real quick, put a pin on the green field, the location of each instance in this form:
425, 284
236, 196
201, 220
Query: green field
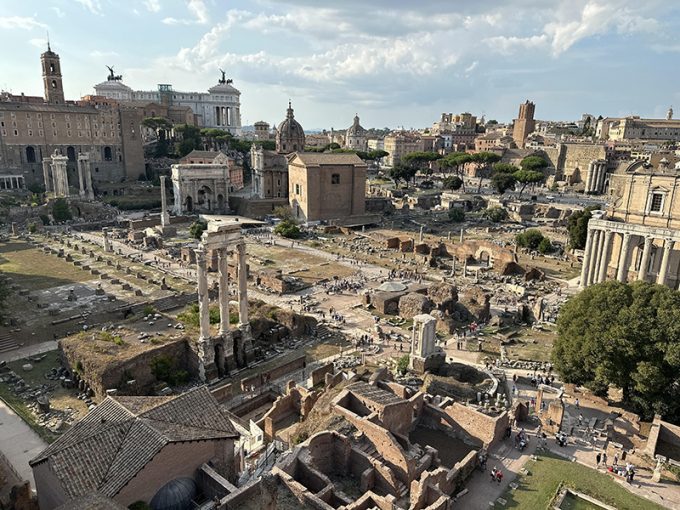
549, 472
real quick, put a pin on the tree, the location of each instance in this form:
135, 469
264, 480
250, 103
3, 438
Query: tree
624, 335
402, 172
502, 182
526, 177
452, 182
484, 160
196, 229
456, 215
534, 163
191, 138
288, 228
421, 160
495, 214
577, 226
61, 210
531, 239
161, 127
284, 212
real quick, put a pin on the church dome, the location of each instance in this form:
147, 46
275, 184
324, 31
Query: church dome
356, 129
177, 494
224, 88
290, 137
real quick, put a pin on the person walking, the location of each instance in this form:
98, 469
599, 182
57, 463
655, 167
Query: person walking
577, 404
598, 458
616, 459
499, 476
604, 459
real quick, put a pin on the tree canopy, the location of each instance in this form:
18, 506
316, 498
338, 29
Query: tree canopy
577, 226
495, 214
452, 182
526, 177
628, 336
535, 163
402, 172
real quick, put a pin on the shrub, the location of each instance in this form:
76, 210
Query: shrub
456, 215
496, 214
402, 364
529, 239
287, 229
196, 229
149, 310
164, 369
61, 210
45, 219
32, 228
545, 246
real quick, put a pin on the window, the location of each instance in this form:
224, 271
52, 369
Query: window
51, 68
656, 203
335, 179
40, 132
16, 133
298, 189
54, 84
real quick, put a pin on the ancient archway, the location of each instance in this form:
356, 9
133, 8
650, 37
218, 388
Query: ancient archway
203, 197
189, 204
220, 202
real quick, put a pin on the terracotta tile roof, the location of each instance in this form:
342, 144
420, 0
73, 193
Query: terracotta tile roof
328, 158
107, 448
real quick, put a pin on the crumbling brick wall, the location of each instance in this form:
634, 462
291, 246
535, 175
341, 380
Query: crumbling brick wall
487, 428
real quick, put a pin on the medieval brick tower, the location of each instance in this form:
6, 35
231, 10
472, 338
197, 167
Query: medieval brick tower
524, 123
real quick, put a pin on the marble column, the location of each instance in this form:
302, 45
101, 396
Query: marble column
594, 255
81, 182
242, 286
663, 271
165, 217
583, 282
622, 269
644, 263
606, 250
223, 270
203, 297
60, 175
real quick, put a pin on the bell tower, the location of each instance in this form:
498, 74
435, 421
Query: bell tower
51, 72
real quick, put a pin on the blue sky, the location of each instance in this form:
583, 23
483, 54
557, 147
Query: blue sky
394, 62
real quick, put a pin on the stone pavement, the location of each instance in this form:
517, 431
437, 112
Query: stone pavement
29, 350
482, 491
18, 442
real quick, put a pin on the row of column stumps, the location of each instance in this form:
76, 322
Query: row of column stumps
598, 251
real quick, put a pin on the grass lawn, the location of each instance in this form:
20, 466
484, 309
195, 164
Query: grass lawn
537, 489
36, 270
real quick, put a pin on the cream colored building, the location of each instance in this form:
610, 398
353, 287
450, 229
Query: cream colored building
636, 128
638, 237
399, 144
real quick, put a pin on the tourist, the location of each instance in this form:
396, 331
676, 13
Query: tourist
493, 473
577, 404
598, 458
604, 459
499, 476
616, 459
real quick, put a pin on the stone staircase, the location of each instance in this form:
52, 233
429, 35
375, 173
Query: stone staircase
369, 449
323, 332
7, 342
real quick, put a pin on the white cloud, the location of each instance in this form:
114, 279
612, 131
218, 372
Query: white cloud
98, 54
38, 43
58, 12
152, 5
20, 22
198, 9
471, 67
94, 6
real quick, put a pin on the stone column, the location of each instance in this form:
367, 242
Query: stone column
107, 243
594, 256
165, 217
203, 297
242, 286
644, 263
583, 282
606, 249
60, 176
81, 184
663, 271
46, 174
590, 177
88, 176
223, 269
622, 270
462, 234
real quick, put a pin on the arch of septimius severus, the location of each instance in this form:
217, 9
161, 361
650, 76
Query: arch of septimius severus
639, 236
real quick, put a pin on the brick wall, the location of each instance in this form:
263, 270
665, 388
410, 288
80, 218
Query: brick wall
486, 428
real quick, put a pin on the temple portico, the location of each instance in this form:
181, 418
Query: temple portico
229, 349
627, 251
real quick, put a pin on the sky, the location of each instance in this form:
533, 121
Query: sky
393, 62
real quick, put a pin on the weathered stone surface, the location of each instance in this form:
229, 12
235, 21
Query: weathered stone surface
414, 304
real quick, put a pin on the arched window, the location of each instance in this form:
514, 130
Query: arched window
54, 84
30, 154
71, 153
51, 68
107, 154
